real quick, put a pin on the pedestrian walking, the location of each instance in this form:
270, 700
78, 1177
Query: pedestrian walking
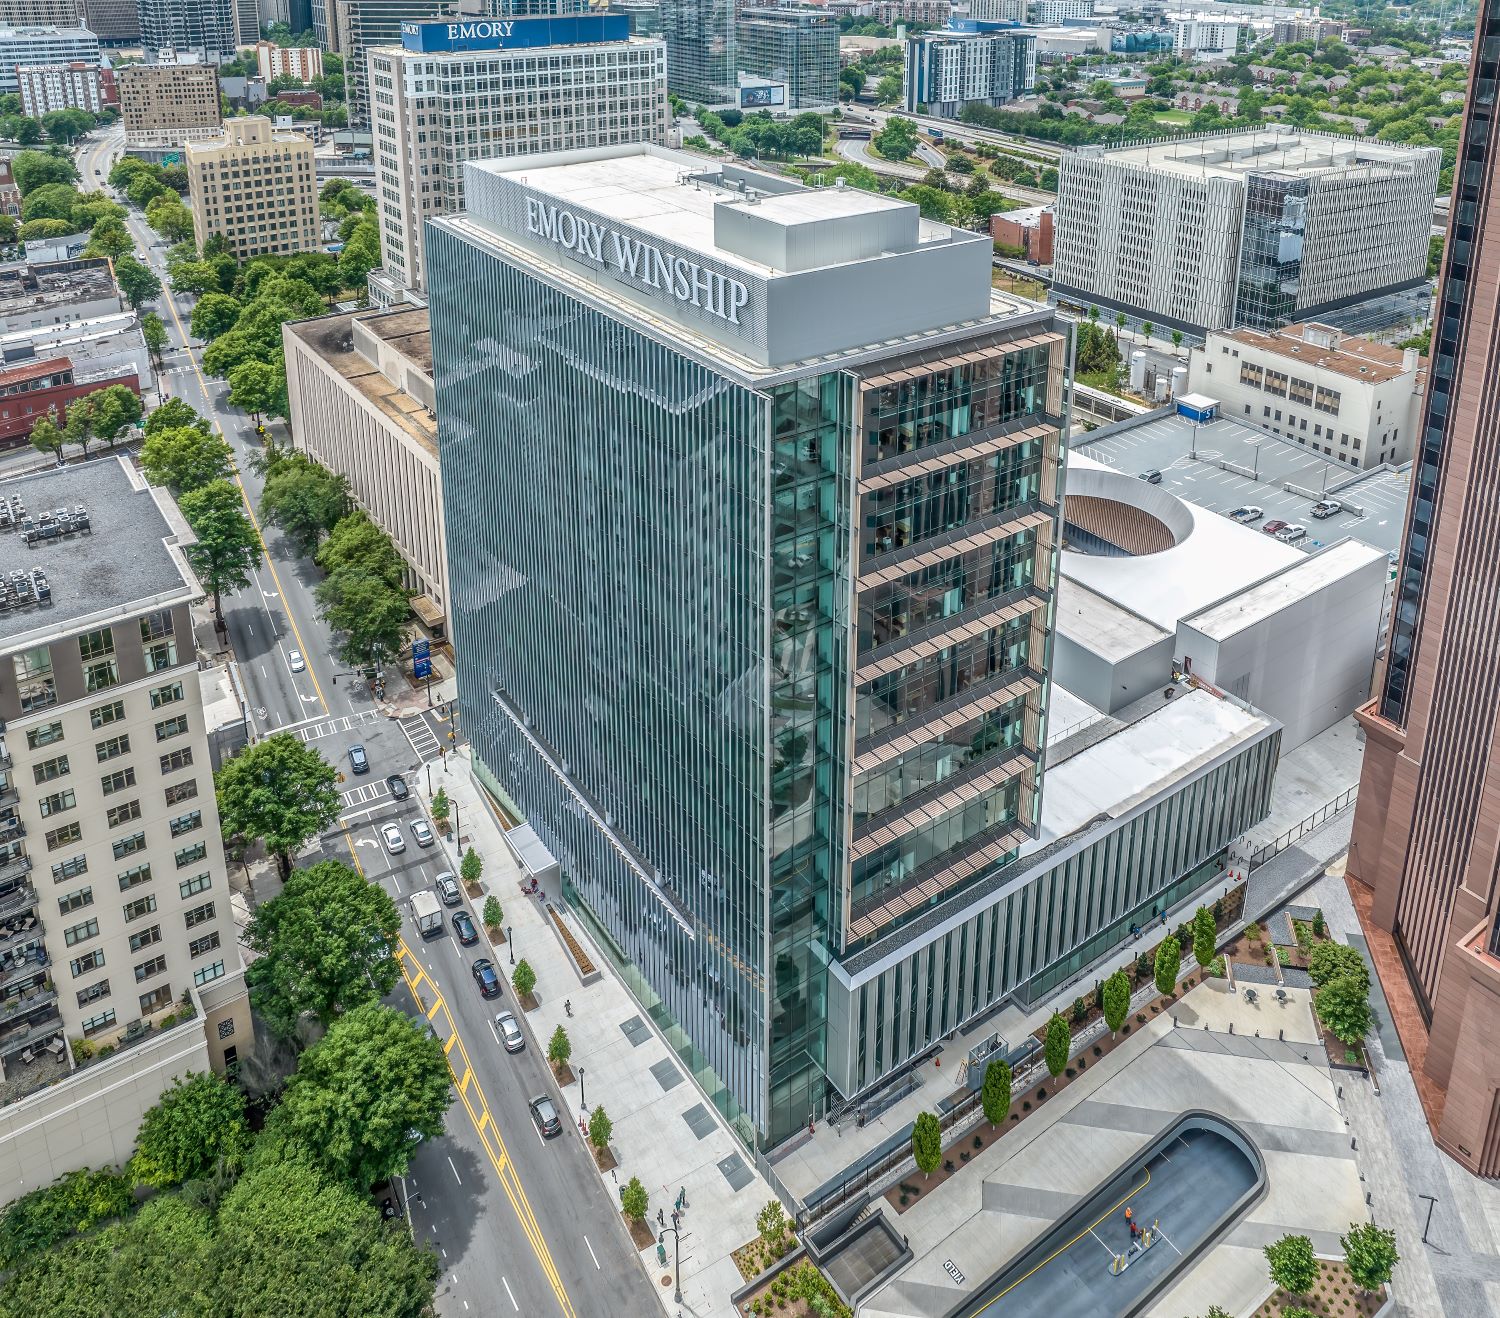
674, 1220
661, 1218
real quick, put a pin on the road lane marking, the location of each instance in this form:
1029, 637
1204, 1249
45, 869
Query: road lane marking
595, 1257
513, 1303
457, 1178
484, 1126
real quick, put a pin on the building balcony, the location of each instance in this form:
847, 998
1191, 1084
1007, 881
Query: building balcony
1482, 945
15, 903
9, 793
22, 1011
14, 868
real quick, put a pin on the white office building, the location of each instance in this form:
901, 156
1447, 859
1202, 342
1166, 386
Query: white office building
1202, 37
1050, 13
969, 62
439, 100
1348, 398
42, 45
1258, 228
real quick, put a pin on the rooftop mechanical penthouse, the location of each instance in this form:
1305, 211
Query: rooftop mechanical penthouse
752, 500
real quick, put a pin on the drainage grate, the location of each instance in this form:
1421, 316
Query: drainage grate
735, 1171
666, 1073
636, 1030
698, 1120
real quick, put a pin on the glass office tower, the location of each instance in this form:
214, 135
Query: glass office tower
751, 497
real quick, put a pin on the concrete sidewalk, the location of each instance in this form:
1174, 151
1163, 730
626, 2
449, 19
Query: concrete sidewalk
665, 1130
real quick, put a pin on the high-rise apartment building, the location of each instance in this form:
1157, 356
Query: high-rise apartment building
43, 45
170, 103
1256, 228
114, 897
797, 45
304, 63
256, 187
969, 62
1426, 840
207, 27
366, 24
752, 498
527, 86
702, 62
74, 86
114, 22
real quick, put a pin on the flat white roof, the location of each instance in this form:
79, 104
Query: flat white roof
1101, 625
646, 190
1281, 151
1067, 714
1140, 761
1312, 574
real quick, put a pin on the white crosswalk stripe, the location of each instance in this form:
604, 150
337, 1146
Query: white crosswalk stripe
328, 727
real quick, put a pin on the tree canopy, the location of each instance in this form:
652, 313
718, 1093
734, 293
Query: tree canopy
304, 500
185, 458
325, 945
228, 549
279, 791
196, 1122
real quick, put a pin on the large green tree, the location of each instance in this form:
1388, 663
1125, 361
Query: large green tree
368, 614
154, 331
186, 458
324, 945
136, 281
214, 314
253, 387
172, 413
356, 542
1343, 1005
1293, 1265
279, 791
34, 169
366, 1094
51, 201
1329, 960
115, 407
227, 549
197, 1122
1370, 1254
303, 499
927, 1143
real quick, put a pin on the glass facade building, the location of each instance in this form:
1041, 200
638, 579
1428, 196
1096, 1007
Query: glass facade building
755, 607
701, 58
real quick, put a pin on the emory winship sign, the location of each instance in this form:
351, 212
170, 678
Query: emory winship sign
638, 261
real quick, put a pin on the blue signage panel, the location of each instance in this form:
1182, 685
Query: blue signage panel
514, 33
421, 648
422, 668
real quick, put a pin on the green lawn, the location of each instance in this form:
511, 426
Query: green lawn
1174, 117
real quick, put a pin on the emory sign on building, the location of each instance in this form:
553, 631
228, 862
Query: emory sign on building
515, 33
679, 278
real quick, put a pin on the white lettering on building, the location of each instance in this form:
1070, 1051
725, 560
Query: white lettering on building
480, 31
681, 279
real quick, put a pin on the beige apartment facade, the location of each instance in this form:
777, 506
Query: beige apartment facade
257, 187
304, 63
169, 104
361, 395
115, 915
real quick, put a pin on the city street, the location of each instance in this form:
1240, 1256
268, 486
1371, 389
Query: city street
521, 1225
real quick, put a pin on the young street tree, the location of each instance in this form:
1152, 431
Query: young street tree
1370, 1254
1057, 1044
771, 1223
1168, 963
600, 1129
325, 945
198, 1121
186, 458
1205, 936
366, 1094
1116, 1000
492, 913
994, 1093
48, 437
1293, 1265
228, 548
278, 791
470, 868
927, 1143
559, 1047
634, 1202
523, 978
1343, 1005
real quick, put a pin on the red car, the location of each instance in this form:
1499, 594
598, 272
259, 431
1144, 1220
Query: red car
1273, 526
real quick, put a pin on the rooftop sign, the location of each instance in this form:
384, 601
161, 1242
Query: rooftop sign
514, 33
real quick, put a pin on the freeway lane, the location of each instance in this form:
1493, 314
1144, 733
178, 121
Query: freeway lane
530, 1229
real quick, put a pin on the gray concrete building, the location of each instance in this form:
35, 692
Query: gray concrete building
1256, 228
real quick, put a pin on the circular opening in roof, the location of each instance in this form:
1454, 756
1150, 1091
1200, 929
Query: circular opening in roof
1108, 514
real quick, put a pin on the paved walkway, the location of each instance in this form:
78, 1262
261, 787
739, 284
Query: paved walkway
1458, 1273
665, 1132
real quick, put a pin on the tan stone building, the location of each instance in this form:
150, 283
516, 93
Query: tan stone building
115, 913
256, 187
169, 104
304, 63
360, 388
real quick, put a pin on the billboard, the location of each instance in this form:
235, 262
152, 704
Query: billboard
514, 33
757, 98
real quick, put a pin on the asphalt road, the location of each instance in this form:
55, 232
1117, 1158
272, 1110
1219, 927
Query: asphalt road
521, 1225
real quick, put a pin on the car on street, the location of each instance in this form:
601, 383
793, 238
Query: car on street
359, 762
295, 661
464, 928
544, 1115
1291, 534
422, 831
1249, 513
1273, 526
447, 889
396, 786
486, 978
509, 1033
1152, 477
1327, 508
394, 842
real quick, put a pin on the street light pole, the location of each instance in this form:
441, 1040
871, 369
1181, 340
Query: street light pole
1431, 1204
676, 1259
582, 1102
510, 942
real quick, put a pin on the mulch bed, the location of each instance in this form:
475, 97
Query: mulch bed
640, 1233
495, 934
1338, 1050
604, 1159
528, 1001
915, 1186
1333, 1296
562, 1073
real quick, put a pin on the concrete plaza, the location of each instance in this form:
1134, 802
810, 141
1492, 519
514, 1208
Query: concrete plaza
1277, 1090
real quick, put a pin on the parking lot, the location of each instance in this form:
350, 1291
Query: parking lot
1169, 444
